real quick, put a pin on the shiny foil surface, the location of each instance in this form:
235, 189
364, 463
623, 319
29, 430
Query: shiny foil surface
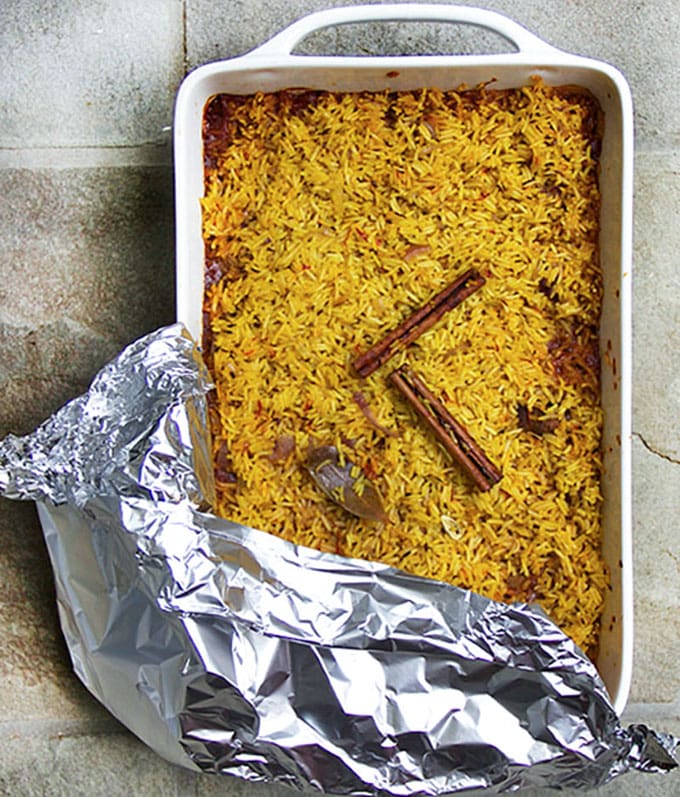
229, 650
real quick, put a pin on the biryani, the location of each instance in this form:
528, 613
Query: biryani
328, 219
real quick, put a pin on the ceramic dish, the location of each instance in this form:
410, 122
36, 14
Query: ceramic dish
273, 66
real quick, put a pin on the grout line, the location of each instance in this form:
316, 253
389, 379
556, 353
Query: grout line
85, 157
672, 706
59, 729
185, 46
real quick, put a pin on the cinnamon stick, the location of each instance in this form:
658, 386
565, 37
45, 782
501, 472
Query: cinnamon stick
451, 434
418, 322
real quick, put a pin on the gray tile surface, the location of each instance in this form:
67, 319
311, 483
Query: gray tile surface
86, 245
657, 302
30, 629
90, 73
112, 764
86, 265
657, 574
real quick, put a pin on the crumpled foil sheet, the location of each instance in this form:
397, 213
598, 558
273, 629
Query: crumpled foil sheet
229, 650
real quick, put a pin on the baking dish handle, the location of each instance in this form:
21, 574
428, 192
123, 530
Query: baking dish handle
283, 43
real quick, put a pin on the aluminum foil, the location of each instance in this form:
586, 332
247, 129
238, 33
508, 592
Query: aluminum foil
229, 650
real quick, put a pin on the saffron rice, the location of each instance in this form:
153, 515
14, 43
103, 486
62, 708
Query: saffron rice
327, 219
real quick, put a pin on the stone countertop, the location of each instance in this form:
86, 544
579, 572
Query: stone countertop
87, 260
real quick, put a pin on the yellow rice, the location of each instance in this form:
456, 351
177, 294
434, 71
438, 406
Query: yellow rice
328, 218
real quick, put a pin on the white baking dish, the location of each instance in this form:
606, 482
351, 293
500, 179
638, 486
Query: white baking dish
273, 67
